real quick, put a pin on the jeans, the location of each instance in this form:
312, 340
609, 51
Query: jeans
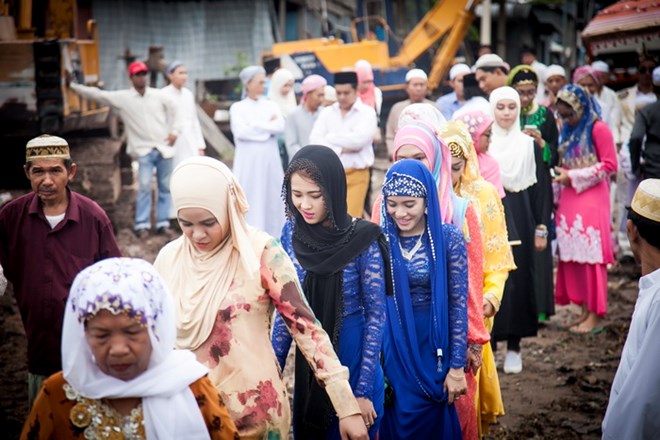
143, 202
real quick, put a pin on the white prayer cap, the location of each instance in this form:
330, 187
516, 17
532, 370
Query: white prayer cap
600, 66
554, 70
416, 73
458, 69
330, 93
490, 60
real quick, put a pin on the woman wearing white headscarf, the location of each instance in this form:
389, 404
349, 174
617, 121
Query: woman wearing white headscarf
526, 183
227, 278
281, 91
256, 124
121, 377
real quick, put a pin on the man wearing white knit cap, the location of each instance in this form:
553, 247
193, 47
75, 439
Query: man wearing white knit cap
554, 79
451, 102
417, 86
491, 71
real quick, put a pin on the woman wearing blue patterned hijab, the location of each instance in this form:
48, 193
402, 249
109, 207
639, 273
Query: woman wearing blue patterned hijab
425, 338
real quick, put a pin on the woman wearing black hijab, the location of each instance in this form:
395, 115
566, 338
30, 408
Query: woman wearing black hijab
341, 264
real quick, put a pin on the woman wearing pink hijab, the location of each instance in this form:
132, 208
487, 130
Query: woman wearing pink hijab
367, 91
479, 125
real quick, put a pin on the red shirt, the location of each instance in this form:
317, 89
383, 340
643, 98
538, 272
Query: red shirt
42, 262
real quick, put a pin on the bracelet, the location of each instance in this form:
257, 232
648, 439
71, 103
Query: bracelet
453, 377
541, 233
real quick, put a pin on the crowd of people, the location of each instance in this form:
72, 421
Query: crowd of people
395, 307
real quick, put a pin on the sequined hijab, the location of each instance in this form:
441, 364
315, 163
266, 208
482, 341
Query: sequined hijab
133, 287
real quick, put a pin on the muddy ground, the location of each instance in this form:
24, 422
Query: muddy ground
562, 392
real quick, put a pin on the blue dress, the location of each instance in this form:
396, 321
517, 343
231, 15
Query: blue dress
361, 334
417, 412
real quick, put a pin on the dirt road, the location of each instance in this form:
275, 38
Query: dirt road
561, 394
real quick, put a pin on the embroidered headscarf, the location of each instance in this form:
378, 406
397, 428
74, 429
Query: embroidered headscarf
483, 196
193, 276
576, 147
424, 137
323, 250
286, 103
513, 149
246, 76
421, 111
365, 73
521, 75
412, 179
133, 287
477, 123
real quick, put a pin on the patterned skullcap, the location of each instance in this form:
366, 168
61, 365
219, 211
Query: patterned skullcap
47, 147
646, 201
403, 185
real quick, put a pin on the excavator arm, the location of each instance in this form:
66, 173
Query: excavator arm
448, 17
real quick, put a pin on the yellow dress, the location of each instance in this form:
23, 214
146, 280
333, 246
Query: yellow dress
498, 262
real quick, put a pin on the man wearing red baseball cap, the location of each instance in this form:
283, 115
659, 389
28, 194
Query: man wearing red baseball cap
152, 125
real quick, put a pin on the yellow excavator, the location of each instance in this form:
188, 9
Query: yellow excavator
37, 49
326, 56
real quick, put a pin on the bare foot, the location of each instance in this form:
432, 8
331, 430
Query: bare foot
590, 325
578, 320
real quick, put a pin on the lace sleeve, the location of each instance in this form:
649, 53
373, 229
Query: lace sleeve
281, 338
280, 281
372, 285
457, 292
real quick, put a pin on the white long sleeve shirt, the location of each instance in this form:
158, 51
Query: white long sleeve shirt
350, 136
190, 140
633, 411
148, 119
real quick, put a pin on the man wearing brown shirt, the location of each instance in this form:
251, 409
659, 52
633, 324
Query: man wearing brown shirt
46, 238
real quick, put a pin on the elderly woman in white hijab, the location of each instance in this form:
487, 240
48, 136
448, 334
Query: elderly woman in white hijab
256, 124
121, 377
227, 279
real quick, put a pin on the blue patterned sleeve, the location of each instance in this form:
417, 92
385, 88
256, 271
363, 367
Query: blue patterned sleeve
372, 285
281, 338
457, 289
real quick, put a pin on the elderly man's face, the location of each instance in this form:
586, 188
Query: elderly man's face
589, 83
49, 178
417, 89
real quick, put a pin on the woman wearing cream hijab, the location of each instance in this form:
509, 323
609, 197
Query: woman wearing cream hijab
227, 278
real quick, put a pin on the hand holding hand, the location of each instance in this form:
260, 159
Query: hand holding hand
353, 428
368, 411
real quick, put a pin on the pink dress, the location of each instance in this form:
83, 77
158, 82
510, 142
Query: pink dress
583, 220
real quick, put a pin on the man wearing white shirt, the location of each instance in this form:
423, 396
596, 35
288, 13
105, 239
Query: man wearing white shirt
348, 127
190, 142
633, 411
152, 125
